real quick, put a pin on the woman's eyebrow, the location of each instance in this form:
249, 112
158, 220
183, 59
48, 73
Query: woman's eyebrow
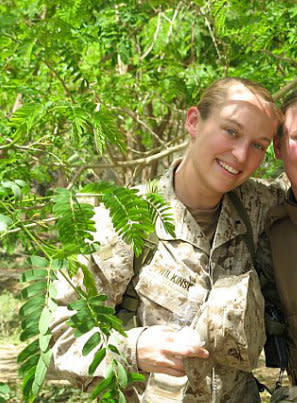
234, 121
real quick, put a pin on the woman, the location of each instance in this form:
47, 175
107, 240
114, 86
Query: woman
229, 130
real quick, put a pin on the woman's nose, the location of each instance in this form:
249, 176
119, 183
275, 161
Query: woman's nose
240, 151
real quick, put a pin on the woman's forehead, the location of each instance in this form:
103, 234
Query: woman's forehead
239, 92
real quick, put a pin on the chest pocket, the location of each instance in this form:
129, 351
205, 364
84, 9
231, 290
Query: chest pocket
168, 284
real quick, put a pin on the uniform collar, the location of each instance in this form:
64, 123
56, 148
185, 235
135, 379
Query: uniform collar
229, 225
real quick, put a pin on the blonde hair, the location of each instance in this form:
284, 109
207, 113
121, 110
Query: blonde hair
217, 93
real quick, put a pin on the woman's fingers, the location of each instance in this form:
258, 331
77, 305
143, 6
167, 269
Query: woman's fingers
162, 349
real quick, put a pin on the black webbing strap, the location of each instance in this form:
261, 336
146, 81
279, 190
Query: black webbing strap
249, 239
261, 387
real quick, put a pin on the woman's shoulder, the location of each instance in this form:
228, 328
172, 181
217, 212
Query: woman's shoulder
261, 192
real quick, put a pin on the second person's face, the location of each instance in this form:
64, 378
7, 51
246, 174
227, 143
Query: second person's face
286, 146
230, 144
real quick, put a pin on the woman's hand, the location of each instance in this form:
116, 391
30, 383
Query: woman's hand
162, 349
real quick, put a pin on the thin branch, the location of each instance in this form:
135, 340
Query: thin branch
128, 164
34, 224
17, 104
68, 93
150, 48
142, 123
283, 91
170, 30
210, 32
172, 22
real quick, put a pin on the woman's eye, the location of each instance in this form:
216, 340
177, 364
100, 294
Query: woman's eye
230, 131
259, 146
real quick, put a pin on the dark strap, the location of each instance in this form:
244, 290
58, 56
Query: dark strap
249, 239
262, 387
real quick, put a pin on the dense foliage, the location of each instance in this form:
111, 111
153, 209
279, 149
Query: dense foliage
93, 94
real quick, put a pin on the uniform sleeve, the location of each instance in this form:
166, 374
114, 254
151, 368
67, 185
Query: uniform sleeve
264, 268
112, 267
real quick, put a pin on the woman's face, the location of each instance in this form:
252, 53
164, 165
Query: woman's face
229, 145
286, 146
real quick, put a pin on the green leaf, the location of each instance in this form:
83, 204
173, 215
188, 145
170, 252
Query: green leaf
33, 274
5, 222
41, 370
45, 320
82, 315
122, 398
34, 289
93, 342
52, 292
101, 386
28, 351
83, 327
39, 261
135, 377
78, 305
27, 365
122, 375
31, 320
113, 348
97, 360
44, 341
89, 281
16, 190
33, 304
29, 332
20, 183
113, 321
73, 220
28, 381
98, 299
103, 309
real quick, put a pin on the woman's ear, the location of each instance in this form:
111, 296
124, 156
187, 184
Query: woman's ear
192, 120
277, 147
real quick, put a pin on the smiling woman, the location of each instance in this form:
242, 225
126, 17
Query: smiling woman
205, 268
228, 141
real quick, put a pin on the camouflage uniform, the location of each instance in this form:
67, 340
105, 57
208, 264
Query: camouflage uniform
183, 265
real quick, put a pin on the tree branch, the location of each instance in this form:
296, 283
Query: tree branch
150, 48
211, 32
34, 224
284, 90
142, 123
125, 164
68, 93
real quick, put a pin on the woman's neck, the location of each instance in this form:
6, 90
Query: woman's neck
190, 191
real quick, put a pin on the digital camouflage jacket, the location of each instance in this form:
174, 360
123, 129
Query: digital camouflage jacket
217, 283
